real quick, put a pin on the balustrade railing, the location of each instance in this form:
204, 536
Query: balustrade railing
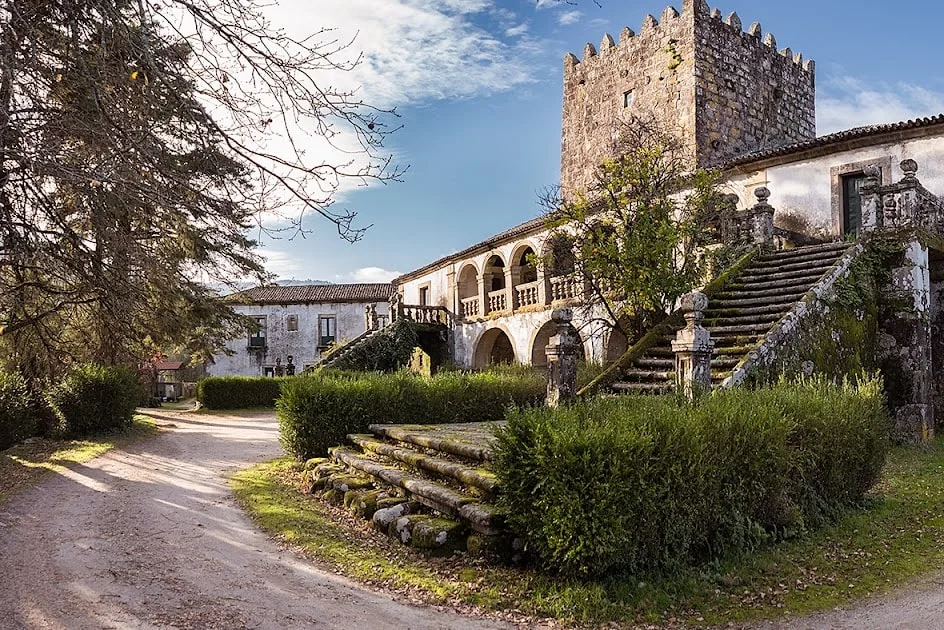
497, 300
566, 287
906, 204
470, 307
526, 294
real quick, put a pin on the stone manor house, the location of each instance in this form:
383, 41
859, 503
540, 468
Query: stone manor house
746, 107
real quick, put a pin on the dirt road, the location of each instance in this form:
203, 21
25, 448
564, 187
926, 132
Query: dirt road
150, 537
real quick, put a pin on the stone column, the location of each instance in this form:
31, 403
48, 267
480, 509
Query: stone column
396, 307
562, 359
693, 347
872, 214
762, 219
511, 281
367, 321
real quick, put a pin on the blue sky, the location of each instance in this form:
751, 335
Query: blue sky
477, 85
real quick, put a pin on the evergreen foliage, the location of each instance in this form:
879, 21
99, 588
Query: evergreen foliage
93, 399
239, 392
642, 484
17, 410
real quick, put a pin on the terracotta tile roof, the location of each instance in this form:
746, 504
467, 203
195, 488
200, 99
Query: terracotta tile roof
522, 229
306, 294
856, 133
168, 365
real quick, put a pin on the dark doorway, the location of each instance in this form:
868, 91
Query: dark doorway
852, 204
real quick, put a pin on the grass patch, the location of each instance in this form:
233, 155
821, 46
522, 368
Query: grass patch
898, 536
26, 464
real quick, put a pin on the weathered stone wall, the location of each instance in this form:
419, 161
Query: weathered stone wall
727, 92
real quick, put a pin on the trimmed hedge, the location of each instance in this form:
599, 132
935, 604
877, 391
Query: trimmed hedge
93, 399
643, 484
240, 392
316, 412
17, 411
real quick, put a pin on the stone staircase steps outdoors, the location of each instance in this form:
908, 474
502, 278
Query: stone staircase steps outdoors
477, 478
740, 316
408, 434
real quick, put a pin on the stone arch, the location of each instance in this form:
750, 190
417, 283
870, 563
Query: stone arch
493, 347
467, 281
494, 272
616, 342
559, 255
524, 263
543, 336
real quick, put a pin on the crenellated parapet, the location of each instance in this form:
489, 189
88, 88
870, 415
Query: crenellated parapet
729, 91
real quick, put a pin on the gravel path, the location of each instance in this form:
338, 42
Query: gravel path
150, 537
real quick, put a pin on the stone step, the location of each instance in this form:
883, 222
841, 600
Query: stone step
481, 479
409, 435
643, 388
738, 320
835, 246
822, 264
738, 301
748, 293
720, 332
771, 275
483, 518
772, 309
754, 287
647, 375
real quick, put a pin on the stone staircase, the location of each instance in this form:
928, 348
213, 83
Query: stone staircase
427, 486
337, 354
740, 316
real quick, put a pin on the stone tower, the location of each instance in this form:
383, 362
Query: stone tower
727, 91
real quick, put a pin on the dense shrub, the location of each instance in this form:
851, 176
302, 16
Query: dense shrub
318, 411
637, 484
92, 399
17, 412
239, 392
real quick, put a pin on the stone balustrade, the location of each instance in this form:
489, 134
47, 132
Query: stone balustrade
754, 226
471, 307
905, 204
497, 300
566, 287
527, 294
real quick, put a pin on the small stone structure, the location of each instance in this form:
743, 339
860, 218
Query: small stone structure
562, 355
693, 347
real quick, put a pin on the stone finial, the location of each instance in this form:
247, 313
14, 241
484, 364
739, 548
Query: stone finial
763, 194
649, 23
730, 201
669, 13
694, 304
607, 43
770, 40
872, 174
626, 34
909, 169
755, 30
589, 51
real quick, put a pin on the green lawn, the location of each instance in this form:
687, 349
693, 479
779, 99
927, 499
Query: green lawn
25, 464
899, 535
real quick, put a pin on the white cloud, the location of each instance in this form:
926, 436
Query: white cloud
546, 4
515, 31
569, 17
280, 263
843, 103
374, 274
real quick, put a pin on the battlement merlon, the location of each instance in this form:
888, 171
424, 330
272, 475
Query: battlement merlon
697, 10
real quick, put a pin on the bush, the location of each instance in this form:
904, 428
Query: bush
642, 484
318, 411
92, 399
17, 412
240, 392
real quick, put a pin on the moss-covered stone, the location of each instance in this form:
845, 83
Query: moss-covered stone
384, 518
401, 529
386, 502
314, 462
489, 547
348, 482
438, 533
361, 503
334, 496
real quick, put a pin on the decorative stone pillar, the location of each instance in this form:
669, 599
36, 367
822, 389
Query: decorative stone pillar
374, 318
367, 321
396, 307
693, 347
762, 219
872, 214
562, 359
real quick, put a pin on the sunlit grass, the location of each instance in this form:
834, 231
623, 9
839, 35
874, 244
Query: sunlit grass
25, 464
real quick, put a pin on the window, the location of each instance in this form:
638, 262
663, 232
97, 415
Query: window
327, 327
292, 323
424, 296
852, 203
627, 98
257, 338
